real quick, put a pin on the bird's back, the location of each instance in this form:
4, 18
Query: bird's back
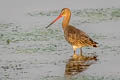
77, 37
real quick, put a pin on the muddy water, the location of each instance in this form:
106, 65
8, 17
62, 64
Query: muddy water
28, 51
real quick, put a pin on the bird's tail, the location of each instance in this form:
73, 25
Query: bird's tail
95, 44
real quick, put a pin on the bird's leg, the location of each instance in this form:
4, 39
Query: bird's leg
81, 52
74, 49
74, 55
74, 52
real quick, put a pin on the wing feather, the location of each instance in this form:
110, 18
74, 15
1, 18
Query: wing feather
77, 37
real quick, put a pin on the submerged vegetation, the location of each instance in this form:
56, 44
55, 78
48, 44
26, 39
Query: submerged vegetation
86, 15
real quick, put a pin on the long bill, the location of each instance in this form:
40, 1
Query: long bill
54, 21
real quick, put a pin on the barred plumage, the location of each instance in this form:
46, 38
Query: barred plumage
77, 37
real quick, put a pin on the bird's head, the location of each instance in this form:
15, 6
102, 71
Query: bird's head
64, 12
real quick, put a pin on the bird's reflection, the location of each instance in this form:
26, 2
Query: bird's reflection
78, 64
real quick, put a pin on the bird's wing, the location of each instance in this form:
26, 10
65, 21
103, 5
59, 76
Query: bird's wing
78, 35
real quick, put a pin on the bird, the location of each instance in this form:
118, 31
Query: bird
76, 37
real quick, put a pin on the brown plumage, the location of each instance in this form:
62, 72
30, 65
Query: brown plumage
76, 37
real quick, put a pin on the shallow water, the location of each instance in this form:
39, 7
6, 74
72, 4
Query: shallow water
28, 51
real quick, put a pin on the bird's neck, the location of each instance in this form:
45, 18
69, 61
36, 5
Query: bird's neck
66, 20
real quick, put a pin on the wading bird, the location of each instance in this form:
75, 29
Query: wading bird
76, 37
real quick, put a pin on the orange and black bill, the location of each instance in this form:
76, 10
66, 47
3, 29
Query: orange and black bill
54, 21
